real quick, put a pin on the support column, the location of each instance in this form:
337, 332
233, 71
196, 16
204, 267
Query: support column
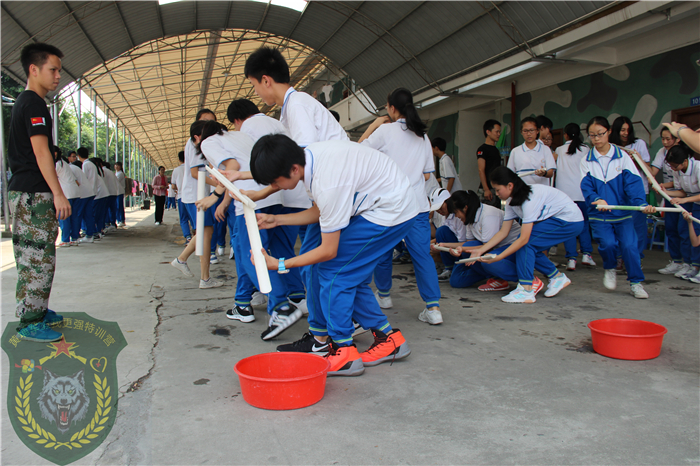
94, 124
106, 134
80, 115
3, 167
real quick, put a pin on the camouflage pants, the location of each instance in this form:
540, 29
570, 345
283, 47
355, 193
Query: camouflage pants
34, 232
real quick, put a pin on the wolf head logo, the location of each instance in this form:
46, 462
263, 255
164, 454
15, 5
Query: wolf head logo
63, 399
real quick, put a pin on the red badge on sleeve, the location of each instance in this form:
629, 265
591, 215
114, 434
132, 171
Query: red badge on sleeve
38, 121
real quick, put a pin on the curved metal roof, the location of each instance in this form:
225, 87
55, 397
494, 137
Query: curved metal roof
155, 65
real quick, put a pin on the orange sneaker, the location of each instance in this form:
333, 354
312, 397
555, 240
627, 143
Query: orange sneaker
537, 285
385, 348
345, 360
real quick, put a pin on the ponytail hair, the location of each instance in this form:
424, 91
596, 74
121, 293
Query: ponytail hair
573, 131
97, 162
204, 129
402, 100
521, 191
468, 199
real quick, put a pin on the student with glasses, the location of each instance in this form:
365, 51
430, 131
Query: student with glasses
532, 155
610, 178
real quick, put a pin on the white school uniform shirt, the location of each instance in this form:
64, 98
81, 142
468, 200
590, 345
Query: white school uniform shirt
95, 180
448, 170
689, 181
260, 125
85, 186
413, 154
176, 177
67, 179
487, 222
569, 170
236, 145
544, 202
456, 226
121, 187
641, 147
346, 179
171, 191
307, 121
660, 163
522, 159
188, 190
110, 180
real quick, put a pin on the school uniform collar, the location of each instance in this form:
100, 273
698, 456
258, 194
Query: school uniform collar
308, 169
689, 170
289, 92
537, 148
479, 213
617, 154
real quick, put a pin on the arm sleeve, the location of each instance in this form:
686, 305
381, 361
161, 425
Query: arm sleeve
215, 152
450, 171
376, 140
510, 213
429, 166
302, 126
37, 119
587, 185
549, 161
643, 150
633, 185
511, 162
659, 159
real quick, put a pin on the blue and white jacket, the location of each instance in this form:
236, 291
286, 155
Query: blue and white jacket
620, 184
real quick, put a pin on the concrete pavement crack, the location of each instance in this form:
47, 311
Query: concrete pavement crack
157, 293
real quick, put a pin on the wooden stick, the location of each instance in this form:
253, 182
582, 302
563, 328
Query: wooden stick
443, 249
532, 172
651, 178
474, 259
637, 208
245, 200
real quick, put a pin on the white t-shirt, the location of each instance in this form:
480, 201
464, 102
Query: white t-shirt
660, 163
110, 180
544, 202
430, 185
690, 180
67, 179
413, 155
95, 180
307, 121
569, 170
176, 178
641, 147
487, 222
346, 179
260, 125
121, 188
188, 190
171, 191
236, 145
456, 226
523, 160
448, 170
85, 186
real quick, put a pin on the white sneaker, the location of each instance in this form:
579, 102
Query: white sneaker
230, 254
556, 284
157, 223
182, 267
87, 239
445, 275
520, 295
209, 283
111, 228
695, 279
637, 290
213, 259
692, 273
433, 317
258, 299
220, 250
571, 264
384, 303
301, 305
671, 268
685, 268
610, 279
587, 260
553, 251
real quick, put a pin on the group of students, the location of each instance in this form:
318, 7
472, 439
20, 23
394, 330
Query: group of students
95, 193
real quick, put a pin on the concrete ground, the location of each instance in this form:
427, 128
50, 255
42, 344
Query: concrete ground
495, 384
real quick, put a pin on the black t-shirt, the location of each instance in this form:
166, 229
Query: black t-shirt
492, 156
30, 117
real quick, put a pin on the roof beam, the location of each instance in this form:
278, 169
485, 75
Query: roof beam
262, 20
160, 19
126, 29
347, 18
77, 23
209, 67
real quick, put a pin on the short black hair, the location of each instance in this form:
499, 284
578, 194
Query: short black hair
203, 111
544, 122
107, 165
241, 109
678, 154
663, 128
196, 128
272, 157
440, 143
181, 156
161, 167
118, 163
336, 115
83, 152
72, 152
490, 124
267, 61
529, 120
37, 54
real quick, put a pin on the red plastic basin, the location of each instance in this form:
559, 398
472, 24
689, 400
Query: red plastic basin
282, 380
627, 338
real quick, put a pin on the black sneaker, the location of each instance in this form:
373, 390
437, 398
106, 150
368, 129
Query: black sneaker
358, 329
244, 314
307, 344
281, 320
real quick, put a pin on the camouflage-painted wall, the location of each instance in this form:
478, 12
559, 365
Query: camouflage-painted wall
646, 90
